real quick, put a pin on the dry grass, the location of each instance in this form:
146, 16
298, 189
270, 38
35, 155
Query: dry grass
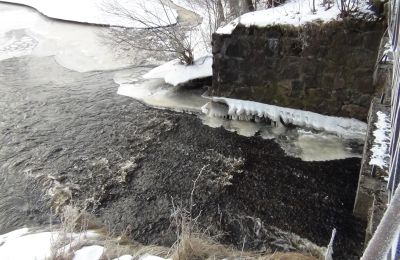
198, 246
190, 245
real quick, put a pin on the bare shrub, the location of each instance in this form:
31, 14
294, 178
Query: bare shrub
71, 233
347, 7
154, 34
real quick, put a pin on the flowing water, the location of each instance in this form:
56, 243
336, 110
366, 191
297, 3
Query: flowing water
65, 132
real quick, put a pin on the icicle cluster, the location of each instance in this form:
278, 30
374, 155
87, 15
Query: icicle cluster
248, 110
380, 148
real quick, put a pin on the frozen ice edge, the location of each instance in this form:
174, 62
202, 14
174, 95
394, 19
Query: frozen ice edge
244, 110
93, 12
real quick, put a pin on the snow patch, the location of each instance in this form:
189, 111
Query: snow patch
293, 12
380, 147
36, 246
89, 253
247, 110
124, 257
176, 73
39, 246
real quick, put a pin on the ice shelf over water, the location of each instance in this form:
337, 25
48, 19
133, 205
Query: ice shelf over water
74, 46
246, 110
98, 11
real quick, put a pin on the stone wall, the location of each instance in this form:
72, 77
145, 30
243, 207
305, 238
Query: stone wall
325, 68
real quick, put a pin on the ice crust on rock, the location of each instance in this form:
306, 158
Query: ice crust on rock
380, 147
176, 73
292, 12
246, 110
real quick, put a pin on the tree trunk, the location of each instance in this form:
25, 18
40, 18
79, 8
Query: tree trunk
247, 6
234, 8
220, 13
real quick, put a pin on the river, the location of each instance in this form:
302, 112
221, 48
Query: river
68, 137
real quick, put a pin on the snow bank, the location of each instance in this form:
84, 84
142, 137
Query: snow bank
380, 147
246, 110
175, 73
293, 12
36, 246
93, 11
21, 244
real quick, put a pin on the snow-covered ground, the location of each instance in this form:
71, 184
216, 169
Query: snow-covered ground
26, 244
380, 147
97, 11
40, 245
292, 12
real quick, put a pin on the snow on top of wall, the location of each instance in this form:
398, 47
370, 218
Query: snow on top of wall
94, 11
346, 127
293, 12
380, 146
176, 73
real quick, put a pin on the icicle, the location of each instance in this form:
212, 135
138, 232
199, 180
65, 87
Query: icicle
246, 110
